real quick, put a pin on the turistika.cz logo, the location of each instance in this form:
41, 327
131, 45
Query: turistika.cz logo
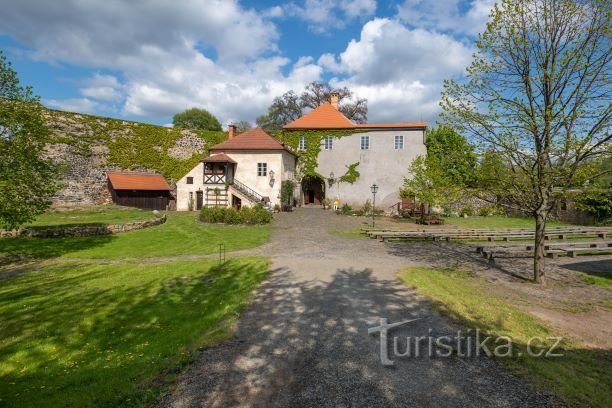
471, 343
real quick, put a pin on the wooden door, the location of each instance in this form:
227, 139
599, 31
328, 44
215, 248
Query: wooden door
199, 199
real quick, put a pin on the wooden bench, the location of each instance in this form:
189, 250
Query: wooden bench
572, 252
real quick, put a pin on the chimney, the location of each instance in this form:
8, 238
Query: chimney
333, 98
231, 131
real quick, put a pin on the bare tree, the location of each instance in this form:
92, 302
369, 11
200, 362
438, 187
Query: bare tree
538, 93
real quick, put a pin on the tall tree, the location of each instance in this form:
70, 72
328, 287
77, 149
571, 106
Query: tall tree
196, 118
284, 109
454, 154
290, 106
242, 126
538, 93
317, 93
28, 180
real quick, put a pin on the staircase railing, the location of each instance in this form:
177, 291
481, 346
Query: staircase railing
247, 191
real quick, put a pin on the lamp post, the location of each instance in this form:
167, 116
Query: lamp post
374, 189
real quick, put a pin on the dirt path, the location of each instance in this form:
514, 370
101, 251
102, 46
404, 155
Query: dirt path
303, 342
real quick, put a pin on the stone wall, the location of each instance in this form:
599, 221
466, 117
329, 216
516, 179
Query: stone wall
81, 230
90, 146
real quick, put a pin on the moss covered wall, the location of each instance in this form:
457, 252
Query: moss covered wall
90, 146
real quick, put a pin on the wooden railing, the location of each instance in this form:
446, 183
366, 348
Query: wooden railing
214, 179
247, 191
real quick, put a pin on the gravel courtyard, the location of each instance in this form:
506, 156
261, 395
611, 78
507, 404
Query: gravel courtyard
304, 340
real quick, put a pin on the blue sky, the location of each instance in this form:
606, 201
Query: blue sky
147, 60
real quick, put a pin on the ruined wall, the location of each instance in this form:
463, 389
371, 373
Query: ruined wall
90, 146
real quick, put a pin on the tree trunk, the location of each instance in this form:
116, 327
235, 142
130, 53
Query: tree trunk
539, 255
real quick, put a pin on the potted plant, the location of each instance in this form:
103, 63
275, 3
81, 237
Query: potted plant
325, 203
277, 208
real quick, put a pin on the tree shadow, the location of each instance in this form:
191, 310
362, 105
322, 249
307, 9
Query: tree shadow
600, 267
25, 248
305, 343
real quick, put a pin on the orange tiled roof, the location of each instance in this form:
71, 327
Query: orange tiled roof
219, 158
328, 117
252, 139
138, 181
323, 117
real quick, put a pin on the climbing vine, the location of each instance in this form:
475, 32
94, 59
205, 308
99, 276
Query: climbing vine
314, 139
351, 174
131, 145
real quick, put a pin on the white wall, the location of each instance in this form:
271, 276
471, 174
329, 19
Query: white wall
281, 162
381, 164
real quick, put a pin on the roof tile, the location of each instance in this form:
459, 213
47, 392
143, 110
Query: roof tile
252, 139
138, 181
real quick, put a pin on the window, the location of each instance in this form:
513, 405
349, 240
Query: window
365, 142
302, 145
399, 142
189, 180
329, 142
262, 169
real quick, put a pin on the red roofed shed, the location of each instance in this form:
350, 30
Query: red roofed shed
141, 190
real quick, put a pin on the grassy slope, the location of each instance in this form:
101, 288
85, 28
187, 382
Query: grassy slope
498, 222
97, 335
95, 215
580, 377
180, 235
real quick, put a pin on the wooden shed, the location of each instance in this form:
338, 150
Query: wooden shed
141, 190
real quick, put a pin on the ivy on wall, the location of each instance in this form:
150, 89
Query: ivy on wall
131, 145
314, 140
351, 174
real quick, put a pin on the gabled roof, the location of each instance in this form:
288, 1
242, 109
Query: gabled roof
252, 139
219, 158
323, 117
138, 181
327, 117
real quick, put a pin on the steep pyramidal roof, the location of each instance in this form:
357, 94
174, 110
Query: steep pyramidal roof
327, 117
323, 117
252, 139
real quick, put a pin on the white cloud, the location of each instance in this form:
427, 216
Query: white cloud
328, 15
102, 87
83, 105
399, 70
446, 15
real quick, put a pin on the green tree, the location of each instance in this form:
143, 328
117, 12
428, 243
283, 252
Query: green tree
429, 183
454, 154
196, 118
538, 93
28, 180
242, 126
284, 109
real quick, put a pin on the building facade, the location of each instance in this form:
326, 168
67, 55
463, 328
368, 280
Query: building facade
244, 170
384, 152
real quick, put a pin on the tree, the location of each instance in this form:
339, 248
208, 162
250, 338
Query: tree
289, 106
538, 93
429, 183
242, 126
284, 109
196, 118
28, 180
453, 153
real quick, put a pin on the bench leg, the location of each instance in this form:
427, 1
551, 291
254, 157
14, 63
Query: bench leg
572, 254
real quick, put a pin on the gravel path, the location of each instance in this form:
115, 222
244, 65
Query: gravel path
303, 342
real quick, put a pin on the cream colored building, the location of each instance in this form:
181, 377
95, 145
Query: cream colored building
244, 170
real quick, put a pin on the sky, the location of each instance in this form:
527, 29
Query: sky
146, 60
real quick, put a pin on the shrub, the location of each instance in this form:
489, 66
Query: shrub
367, 207
346, 210
246, 215
469, 211
488, 210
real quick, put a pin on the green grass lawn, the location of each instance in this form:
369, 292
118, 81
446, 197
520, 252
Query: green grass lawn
580, 378
100, 215
77, 334
498, 222
180, 235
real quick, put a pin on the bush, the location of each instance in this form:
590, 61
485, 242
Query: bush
367, 207
488, 210
246, 215
346, 210
469, 211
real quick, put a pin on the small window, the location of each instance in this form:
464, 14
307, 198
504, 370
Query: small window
302, 145
262, 169
365, 142
189, 180
399, 142
329, 142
